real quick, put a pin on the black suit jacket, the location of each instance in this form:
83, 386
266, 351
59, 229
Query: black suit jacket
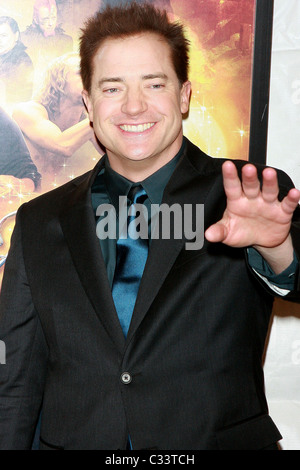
194, 347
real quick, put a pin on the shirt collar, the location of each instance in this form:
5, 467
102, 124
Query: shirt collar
154, 185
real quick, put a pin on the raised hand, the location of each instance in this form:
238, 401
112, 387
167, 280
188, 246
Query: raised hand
254, 216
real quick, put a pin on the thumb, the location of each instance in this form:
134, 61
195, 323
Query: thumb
216, 233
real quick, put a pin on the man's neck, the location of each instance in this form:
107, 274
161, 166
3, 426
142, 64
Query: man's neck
139, 170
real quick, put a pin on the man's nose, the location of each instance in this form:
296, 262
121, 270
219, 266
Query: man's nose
134, 103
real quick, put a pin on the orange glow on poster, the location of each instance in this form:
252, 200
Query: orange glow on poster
221, 37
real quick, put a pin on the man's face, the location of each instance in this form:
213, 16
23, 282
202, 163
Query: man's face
136, 102
47, 19
8, 38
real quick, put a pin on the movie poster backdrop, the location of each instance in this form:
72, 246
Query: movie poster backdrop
45, 136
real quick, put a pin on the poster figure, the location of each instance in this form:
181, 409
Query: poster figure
55, 123
16, 68
43, 38
15, 160
164, 4
18, 175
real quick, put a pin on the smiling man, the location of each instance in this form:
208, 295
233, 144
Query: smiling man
136, 104
139, 343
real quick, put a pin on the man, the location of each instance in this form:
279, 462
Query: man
184, 370
54, 124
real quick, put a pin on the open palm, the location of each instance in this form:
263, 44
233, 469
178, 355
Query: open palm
254, 216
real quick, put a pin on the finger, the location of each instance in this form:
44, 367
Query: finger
216, 233
231, 181
270, 187
291, 201
250, 181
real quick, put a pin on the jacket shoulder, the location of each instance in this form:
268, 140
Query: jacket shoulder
56, 200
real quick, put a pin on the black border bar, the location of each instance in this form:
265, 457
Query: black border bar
261, 81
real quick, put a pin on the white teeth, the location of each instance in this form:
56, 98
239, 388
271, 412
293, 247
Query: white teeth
138, 128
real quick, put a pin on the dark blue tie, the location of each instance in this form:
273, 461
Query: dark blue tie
132, 254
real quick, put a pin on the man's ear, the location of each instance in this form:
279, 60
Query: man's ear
88, 103
185, 94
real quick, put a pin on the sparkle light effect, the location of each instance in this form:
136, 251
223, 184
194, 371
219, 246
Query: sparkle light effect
13, 190
221, 37
202, 128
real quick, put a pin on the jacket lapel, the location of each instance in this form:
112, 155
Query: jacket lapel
191, 182
79, 227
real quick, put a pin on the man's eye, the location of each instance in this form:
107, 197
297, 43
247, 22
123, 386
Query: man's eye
111, 90
157, 86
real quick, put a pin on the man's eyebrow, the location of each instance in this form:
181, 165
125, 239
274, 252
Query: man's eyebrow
110, 79
152, 76
149, 76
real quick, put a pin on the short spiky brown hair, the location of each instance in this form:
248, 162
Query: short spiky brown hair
123, 21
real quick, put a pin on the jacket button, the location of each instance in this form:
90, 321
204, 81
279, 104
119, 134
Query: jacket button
126, 378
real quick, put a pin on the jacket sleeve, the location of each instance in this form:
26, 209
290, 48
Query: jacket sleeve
285, 184
294, 295
22, 375
281, 281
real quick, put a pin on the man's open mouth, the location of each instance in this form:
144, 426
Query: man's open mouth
136, 128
